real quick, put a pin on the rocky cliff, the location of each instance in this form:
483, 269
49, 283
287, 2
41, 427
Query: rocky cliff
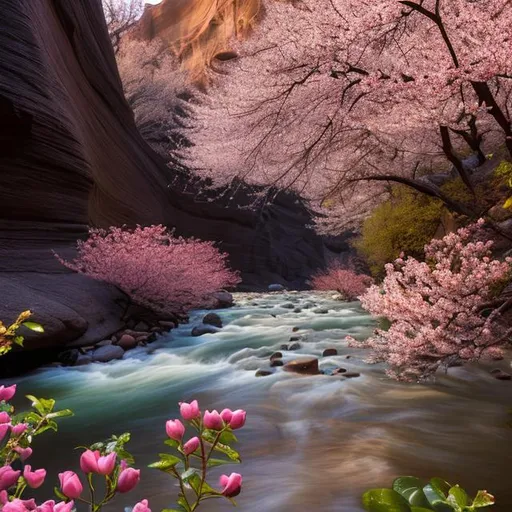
70, 156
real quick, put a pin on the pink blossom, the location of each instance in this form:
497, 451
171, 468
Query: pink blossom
4, 417
18, 505
238, 419
190, 411
213, 420
4, 497
89, 461
128, 479
191, 445
50, 506
107, 464
8, 477
19, 429
35, 478
175, 429
231, 484
6, 393
226, 415
24, 453
70, 484
345, 281
142, 506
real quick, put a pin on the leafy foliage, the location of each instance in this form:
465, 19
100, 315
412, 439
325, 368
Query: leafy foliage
8, 334
408, 494
404, 223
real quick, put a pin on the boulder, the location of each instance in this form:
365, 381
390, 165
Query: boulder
338, 371
224, 299
287, 305
103, 343
199, 330
68, 357
308, 305
213, 319
276, 362
294, 346
275, 288
127, 342
338, 296
263, 373
141, 326
283, 347
83, 359
500, 374
295, 338
329, 352
297, 310
295, 329
276, 355
167, 324
107, 353
306, 366
320, 311
350, 375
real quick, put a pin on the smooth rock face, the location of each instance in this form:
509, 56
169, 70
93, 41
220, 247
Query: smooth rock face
61, 99
107, 353
199, 330
83, 359
213, 319
306, 366
276, 362
329, 352
276, 355
294, 346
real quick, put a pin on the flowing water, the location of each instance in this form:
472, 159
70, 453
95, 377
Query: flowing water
311, 443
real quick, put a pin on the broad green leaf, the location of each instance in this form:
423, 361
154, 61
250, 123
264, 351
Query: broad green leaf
442, 487
172, 442
42, 405
457, 497
188, 474
436, 500
19, 340
220, 462
166, 462
411, 489
65, 413
182, 502
483, 499
384, 500
33, 326
51, 425
226, 450
228, 437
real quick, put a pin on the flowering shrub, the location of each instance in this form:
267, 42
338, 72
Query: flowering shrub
437, 308
345, 281
8, 334
409, 495
109, 461
154, 268
215, 435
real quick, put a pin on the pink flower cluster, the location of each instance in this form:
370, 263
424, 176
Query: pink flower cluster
212, 420
343, 280
436, 307
154, 268
70, 484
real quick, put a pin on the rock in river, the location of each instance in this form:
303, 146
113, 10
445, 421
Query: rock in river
305, 366
107, 353
213, 319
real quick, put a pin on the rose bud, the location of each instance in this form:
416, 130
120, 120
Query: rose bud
231, 484
191, 446
35, 478
175, 429
70, 484
190, 411
213, 421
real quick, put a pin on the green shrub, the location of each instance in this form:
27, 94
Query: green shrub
404, 223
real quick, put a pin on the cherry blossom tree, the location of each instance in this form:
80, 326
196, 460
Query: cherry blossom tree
156, 89
154, 268
329, 95
441, 309
345, 281
121, 16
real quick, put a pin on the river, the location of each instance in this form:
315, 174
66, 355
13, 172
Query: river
311, 443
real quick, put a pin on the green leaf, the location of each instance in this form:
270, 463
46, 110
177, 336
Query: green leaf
19, 340
226, 450
42, 405
189, 474
411, 489
384, 500
420, 509
172, 442
51, 425
483, 499
220, 462
436, 498
166, 462
182, 502
508, 203
227, 437
442, 487
457, 497
33, 326
65, 413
